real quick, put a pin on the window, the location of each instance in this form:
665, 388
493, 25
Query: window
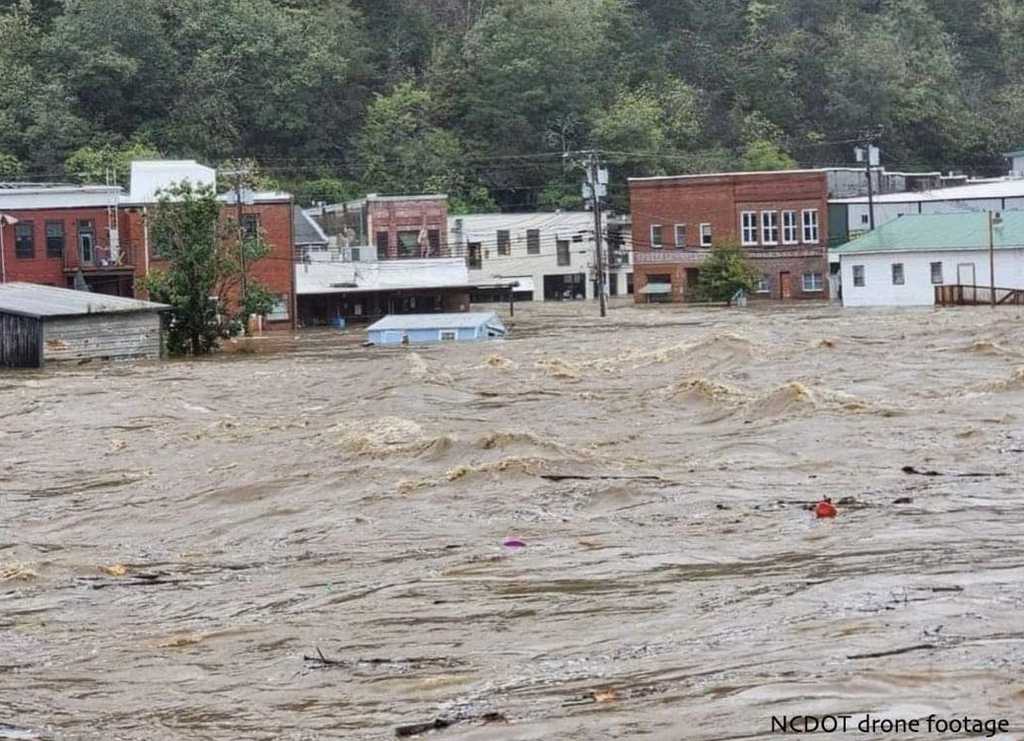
409, 244
533, 241
705, 235
434, 240
770, 227
680, 236
24, 240
764, 285
448, 335
86, 242
655, 237
858, 276
789, 228
865, 219
279, 312
356, 255
55, 239
811, 226
473, 256
812, 282
898, 279
251, 226
383, 245
504, 242
937, 273
748, 224
562, 248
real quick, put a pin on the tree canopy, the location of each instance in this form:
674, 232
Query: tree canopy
480, 97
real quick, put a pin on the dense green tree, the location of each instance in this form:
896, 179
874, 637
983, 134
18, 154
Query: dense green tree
95, 165
724, 273
204, 269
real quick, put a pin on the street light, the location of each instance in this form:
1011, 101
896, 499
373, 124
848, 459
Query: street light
4, 220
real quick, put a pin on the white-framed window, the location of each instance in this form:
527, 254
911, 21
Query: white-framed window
748, 228
770, 227
865, 219
656, 242
936, 273
705, 235
898, 276
790, 234
680, 236
813, 282
764, 285
280, 311
858, 276
448, 335
811, 225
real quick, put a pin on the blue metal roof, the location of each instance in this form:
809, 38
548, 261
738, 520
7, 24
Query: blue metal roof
436, 321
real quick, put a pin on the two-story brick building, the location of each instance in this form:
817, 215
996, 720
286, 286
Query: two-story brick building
779, 218
97, 237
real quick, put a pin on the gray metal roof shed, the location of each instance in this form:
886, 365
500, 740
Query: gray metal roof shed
44, 323
32, 300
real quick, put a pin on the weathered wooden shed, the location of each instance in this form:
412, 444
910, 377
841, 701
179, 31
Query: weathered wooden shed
40, 324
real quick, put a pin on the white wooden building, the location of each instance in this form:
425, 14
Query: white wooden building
551, 255
902, 262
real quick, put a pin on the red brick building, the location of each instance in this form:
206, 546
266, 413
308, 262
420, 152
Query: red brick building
65, 235
779, 218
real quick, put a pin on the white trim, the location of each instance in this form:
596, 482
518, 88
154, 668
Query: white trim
815, 226
821, 282
903, 273
448, 335
863, 276
748, 228
768, 227
661, 244
794, 228
676, 236
710, 241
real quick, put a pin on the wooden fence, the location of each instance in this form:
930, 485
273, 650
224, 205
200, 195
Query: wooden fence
961, 295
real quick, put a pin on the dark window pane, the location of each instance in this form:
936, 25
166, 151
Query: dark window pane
55, 239
533, 241
24, 241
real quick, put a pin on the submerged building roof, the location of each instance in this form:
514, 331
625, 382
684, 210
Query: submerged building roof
436, 321
32, 300
938, 232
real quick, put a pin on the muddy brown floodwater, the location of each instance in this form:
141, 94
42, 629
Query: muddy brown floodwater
177, 537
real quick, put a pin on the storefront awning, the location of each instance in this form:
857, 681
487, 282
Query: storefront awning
656, 289
525, 284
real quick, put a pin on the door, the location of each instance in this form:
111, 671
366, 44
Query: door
692, 279
86, 243
785, 289
965, 277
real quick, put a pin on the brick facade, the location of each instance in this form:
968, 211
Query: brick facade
794, 267
124, 275
396, 216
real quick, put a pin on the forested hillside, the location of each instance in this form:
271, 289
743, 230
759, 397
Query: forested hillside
334, 97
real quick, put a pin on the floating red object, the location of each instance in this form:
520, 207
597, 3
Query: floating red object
825, 508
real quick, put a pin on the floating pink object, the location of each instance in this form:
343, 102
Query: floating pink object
514, 544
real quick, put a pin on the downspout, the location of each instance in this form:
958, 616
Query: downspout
3, 256
294, 264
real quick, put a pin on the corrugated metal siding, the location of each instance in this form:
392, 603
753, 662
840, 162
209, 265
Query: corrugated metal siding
20, 341
103, 336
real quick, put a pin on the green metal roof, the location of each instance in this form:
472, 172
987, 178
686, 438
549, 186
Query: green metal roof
934, 232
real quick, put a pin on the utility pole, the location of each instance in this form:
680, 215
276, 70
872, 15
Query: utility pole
992, 221
869, 140
594, 167
238, 173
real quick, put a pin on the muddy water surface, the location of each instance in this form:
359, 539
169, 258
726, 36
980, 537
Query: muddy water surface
176, 538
